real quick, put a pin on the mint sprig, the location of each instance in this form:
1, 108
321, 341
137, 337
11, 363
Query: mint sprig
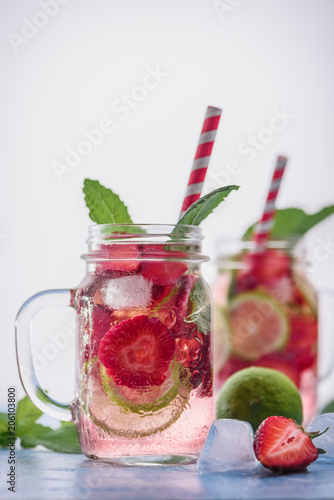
293, 222
105, 206
199, 210
63, 440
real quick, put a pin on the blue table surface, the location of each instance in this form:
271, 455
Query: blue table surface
48, 475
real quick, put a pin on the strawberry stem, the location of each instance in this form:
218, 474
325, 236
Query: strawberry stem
316, 434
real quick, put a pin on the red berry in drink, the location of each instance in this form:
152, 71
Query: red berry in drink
282, 363
138, 352
160, 292
304, 332
232, 365
123, 259
176, 298
98, 325
182, 296
268, 265
162, 272
302, 346
193, 352
263, 268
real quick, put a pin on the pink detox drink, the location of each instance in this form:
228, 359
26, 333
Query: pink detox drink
266, 314
145, 370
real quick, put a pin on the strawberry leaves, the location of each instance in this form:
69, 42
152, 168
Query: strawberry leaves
315, 434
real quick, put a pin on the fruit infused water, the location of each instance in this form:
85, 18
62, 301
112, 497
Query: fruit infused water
145, 365
266, 314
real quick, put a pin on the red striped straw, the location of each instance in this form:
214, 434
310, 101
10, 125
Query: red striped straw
202, 158
264, 226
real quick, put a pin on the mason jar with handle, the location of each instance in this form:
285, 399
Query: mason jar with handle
144, 359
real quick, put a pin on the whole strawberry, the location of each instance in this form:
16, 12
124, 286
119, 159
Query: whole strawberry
283, 446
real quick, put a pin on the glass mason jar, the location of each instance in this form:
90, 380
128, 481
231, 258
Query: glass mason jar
144, 364
266, 314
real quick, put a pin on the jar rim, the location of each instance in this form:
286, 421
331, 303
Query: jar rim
163, 224
229, 248
280, 242
166, 228
121, 232
186, 239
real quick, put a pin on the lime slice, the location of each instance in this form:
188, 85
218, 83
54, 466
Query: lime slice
258, 325
142, 400
221, 337
133, 413
307, 291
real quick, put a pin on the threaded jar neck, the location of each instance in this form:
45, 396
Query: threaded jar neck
153, 242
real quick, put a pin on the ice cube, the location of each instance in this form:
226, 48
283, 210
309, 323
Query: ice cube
128, 292
229, 446
326, 441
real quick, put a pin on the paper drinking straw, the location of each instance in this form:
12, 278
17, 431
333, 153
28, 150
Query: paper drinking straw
202, 157
264, 226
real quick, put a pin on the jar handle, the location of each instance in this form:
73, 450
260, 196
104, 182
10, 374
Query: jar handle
25, 363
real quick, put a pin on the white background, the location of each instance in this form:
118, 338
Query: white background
249, 57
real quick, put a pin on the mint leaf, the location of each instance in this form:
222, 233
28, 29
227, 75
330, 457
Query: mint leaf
26, 415
63, 440
32, 436
3, 422
105, 207
3, 429
202, 313
293, 222
3, 440
199, 210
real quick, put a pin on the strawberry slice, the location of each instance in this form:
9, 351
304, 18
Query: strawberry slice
162, 272
124, 259
282, 363
304, 332
269, 265
262, 268
283, 446
232, 365
159, 292
137, 352
302, 345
